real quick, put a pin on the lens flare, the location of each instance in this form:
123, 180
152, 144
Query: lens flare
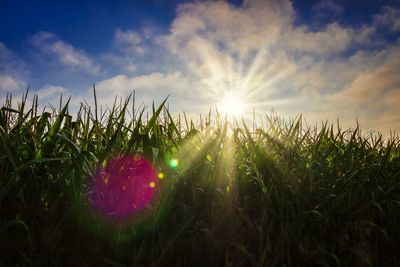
173, 163
123, 186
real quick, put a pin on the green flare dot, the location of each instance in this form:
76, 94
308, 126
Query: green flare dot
173, 163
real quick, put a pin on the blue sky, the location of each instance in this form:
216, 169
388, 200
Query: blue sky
325, 59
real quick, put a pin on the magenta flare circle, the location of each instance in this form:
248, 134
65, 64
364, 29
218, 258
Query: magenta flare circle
123, 186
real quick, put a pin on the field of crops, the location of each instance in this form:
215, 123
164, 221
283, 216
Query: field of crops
227, 194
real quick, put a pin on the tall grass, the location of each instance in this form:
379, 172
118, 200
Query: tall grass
278, 195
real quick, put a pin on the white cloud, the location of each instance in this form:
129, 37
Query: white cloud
124, 85
49, 92
239, 30
334, 38
9, 83
150, 87
51, 45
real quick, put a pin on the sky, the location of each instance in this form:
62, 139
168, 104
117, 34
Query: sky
324, 59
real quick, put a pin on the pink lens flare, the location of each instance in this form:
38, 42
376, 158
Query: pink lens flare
124, 186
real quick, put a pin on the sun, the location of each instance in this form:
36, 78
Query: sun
231, 105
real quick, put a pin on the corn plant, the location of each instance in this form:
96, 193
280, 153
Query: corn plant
278, 195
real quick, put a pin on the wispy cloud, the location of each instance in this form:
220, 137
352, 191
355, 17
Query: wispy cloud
49, 92
12, 71
130, 48
128, 37
126, 64
49, 44
137, 53
327, 10
5, 54
388, 18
